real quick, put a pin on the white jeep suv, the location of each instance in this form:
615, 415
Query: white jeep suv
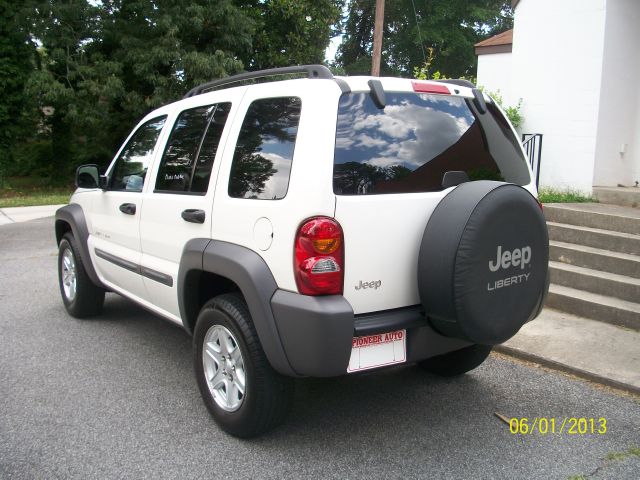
315, 226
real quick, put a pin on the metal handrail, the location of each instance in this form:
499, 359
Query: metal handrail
312, 71
532, 144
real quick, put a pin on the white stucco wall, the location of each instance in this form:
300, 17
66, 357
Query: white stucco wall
494, 73
618, 118
557, 71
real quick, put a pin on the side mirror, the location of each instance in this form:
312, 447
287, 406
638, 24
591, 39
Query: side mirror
88, 176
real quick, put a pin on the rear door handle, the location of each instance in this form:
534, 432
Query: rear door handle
193, 215
128, 208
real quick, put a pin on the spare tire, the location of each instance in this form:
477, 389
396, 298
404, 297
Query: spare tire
482, 269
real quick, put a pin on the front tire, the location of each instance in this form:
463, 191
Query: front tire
457, 362
243, 393
81, 297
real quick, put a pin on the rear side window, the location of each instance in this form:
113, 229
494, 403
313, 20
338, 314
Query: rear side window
264, 152
410, 144
188, 157
131, 166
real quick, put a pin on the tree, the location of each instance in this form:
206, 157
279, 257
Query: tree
355, 52
64, 29
449, 27
16, 63
291, 32
102, 65
147, 54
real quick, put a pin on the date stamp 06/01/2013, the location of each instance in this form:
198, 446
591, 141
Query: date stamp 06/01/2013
555, 426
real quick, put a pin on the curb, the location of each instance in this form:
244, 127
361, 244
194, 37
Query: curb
4, 218
12, 215
578, 372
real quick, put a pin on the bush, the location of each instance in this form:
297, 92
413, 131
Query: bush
512, 112
550, 195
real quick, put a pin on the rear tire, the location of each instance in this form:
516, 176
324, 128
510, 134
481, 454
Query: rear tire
243, 393
457, 362
81, 297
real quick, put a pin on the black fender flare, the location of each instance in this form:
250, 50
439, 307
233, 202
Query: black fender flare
250, 273
73, 215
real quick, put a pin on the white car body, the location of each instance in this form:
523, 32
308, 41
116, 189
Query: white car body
380, 245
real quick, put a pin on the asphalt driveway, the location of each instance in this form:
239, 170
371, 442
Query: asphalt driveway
115, 397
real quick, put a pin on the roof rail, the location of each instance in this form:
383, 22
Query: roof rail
458, 81
312, 71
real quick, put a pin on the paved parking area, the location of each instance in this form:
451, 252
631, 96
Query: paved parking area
115, 397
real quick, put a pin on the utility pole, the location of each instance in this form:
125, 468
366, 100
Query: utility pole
377, 39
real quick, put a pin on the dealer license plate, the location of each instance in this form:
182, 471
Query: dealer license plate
379, 350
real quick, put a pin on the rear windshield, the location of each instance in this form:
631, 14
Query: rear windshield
410, 144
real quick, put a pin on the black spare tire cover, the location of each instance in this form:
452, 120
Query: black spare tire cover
482, 269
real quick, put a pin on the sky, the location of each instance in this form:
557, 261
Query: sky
330, 52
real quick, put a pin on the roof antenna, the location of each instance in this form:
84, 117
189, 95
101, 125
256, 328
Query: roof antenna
415, 14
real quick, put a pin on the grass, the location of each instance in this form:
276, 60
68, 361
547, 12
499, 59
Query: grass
617, 456
610, 458
28, 191
549, 195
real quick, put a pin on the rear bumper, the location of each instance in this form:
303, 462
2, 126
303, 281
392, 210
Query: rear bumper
317, 332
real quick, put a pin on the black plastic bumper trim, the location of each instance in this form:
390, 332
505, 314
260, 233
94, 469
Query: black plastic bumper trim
317, 332
390, 320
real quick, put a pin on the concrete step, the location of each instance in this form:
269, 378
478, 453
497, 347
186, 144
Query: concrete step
594, 281
597, 307
595, 258
595, 237
625, 196
587, 348
595, 215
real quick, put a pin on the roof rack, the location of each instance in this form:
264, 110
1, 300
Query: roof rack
312, 71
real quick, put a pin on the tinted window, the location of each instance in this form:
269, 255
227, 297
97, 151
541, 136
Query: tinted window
131, 166
410, 144
262, 160
191, 148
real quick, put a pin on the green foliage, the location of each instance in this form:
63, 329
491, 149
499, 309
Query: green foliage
101, 65
423, 71
449, 27
511, 111
292, 32
484, 173
617, 456
15, 66
550, 195
45, 198
28, 191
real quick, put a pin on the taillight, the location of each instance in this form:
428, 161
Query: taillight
319, 257
425, 87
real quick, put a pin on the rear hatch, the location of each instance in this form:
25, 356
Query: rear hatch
388, 174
